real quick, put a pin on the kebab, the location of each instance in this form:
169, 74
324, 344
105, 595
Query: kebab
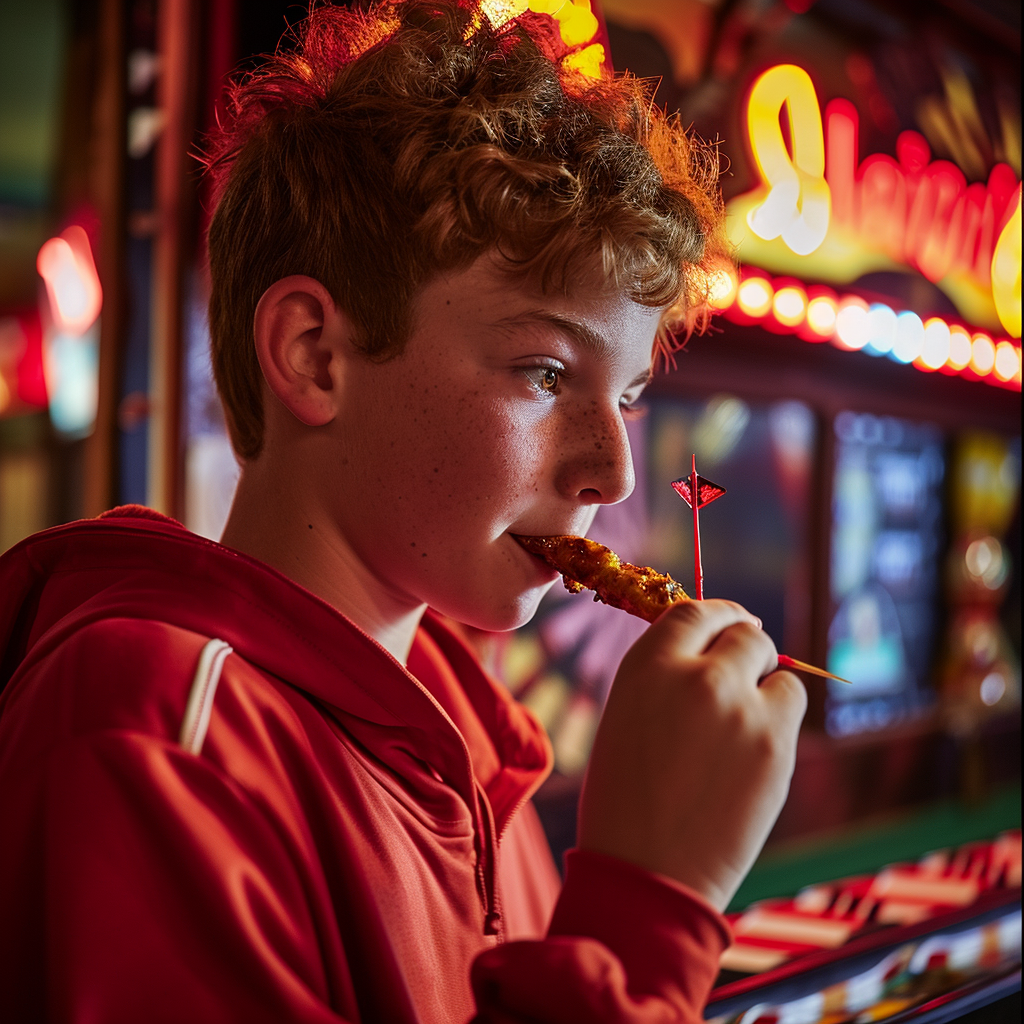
639, 590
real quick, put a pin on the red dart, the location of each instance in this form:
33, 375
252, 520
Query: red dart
698, 491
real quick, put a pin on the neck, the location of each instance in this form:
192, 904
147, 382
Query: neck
288, 530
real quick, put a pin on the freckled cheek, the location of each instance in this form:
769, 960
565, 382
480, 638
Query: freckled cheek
461, 445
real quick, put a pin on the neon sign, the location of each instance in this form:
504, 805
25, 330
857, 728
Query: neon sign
1006, 272
883, 213
797, 205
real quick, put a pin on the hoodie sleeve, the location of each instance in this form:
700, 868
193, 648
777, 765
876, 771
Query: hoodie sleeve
164, 896
138, 881
624, 946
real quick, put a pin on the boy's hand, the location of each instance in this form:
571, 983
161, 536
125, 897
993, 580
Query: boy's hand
693, 758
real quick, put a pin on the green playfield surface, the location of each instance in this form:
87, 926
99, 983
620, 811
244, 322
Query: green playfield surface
785, 869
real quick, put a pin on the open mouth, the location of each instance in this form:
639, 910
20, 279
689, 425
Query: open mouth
523, 542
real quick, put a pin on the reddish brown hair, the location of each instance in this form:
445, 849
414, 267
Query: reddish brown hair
403, 139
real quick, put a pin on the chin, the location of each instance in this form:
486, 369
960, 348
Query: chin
497, 617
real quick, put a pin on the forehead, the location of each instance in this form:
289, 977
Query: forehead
486, 297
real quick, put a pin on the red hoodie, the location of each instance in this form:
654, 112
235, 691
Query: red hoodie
222, 801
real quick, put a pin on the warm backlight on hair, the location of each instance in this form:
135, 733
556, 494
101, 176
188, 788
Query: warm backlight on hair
73, 287
755, 296
790, 306
798, 201
577, 25
853, 329
1006, 272
821, 315
983, 355
722, 288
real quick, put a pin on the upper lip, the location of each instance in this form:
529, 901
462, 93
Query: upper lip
568, 532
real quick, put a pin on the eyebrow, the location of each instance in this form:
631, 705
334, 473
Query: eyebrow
585, 337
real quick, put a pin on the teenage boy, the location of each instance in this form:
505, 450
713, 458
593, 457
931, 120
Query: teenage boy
264, 780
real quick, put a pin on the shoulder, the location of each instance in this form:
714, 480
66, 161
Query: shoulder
127, 674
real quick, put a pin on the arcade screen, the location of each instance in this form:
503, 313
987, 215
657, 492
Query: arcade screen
887, 545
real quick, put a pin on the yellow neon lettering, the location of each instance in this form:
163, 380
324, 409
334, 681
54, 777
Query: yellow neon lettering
1006, 272
798, 202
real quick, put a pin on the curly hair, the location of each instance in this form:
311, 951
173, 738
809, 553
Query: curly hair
402, 139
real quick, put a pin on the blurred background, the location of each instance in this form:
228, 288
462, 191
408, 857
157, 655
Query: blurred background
858, 395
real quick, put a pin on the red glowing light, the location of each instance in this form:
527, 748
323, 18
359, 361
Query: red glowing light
817, 314
1007, 361
959, 348
821, 315
852, 324
983, 355
73, 287
754, 296
918, 211
935, 349
790, 305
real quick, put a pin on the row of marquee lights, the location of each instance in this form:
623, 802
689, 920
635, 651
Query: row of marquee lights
851, 323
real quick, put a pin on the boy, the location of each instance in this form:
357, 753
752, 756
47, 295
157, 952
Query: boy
264, 780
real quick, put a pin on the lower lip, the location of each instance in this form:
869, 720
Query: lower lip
545, 570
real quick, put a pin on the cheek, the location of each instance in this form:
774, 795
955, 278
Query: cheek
463, 455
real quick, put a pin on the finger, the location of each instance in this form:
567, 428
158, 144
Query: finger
747, 648
689, 628
786, 693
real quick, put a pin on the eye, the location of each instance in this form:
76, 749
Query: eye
633, 410
549, 378
545, 378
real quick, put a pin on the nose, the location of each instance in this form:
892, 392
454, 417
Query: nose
597, 465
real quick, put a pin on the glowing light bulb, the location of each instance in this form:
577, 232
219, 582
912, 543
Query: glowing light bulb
983, 355
790, 305
1007, 360
935, 346
909, 337
821, 315
852, 329
722, 289
993, 686
959, 348
881, 329
72, 284
755, 296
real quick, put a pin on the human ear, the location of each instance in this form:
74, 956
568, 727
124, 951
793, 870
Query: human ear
297, 329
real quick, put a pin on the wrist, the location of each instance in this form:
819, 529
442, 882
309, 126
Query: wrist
713, 890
